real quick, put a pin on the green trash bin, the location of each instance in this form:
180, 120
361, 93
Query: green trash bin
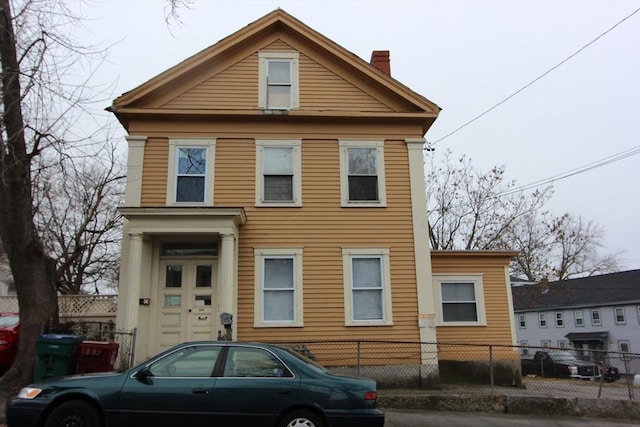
56, 355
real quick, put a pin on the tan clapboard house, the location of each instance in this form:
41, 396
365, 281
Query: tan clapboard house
276, 191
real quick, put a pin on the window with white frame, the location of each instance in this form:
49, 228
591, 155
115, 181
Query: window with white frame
562, 344
522, 321
278, 287
542, 320
278, 80
190, 172
578, 318
619, 315
546, 343
367, 286
524, 349
461, 300
278, 173
624, 346
595, 317
362, 176
559, 319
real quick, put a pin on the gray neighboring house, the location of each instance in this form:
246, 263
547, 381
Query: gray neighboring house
596, 313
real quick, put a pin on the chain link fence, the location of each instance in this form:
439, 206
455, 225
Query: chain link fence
480, 368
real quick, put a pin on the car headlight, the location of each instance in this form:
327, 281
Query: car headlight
29, 393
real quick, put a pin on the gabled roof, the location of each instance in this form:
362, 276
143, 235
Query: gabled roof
605, 289
140, 99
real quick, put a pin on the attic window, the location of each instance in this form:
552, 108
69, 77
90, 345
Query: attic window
278, 80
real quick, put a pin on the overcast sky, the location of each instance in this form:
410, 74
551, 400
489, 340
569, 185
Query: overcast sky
466, 56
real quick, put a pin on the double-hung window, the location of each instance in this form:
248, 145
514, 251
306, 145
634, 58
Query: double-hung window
619, 315
362, 173
542, 320
578, 317
596, 320
278, 287
278, 80
278, 173
461, 300
367, 283
191, 171
559, 319
522, 319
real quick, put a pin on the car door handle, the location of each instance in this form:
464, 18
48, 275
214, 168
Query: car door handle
200, 391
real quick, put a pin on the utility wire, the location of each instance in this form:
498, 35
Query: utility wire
430, 145
589, 166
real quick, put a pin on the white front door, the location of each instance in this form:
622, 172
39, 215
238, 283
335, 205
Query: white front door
187, 300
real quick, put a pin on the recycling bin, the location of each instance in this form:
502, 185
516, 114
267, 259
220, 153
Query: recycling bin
96, 356
56, 355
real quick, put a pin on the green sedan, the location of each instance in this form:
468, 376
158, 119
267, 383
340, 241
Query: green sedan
203, 384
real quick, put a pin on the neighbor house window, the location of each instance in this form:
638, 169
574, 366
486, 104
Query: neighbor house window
278, 287
578, 318
522, 321
542, 320
362, 173
546, 343
461, 300
278, 173
278, 80
619, 314
524, 349
595, 317
562, 344
624, 346
559, 319
367, 286
190, 173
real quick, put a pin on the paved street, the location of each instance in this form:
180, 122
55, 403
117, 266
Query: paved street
408, 418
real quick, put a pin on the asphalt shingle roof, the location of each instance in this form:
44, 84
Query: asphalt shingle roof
605, 289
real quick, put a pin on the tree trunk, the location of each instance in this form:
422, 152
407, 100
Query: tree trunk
37, 298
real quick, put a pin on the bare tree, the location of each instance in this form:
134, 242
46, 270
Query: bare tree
42, 97
467, 209
577, 243
474, 210
76, 213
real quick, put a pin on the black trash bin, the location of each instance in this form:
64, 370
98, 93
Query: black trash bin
56, 355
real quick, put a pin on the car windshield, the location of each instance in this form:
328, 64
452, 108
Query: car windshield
8, 320
562, 356
306, 360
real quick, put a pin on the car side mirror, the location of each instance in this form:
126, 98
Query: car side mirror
143, 375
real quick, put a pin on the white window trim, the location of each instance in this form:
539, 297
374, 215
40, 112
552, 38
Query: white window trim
615, 316
625, 342
387, 313
172, 176
344, 173
298, 317
522, 321
296, 144
263, 59
576, 317
559, 318
599, 323
541, 317
478, 287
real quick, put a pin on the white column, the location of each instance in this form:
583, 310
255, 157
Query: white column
135, 158
426, 306
132, 297
227, 293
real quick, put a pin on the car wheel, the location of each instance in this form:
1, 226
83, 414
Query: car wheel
301, 418
74, 413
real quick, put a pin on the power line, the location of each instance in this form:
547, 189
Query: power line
536, 79
589, 166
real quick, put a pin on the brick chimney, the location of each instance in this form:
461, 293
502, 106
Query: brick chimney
380, 60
